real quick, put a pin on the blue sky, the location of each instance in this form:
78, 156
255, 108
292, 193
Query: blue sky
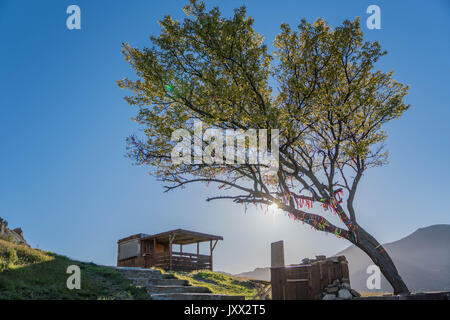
63, 123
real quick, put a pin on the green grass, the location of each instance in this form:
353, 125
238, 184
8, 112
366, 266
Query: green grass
219, 283
27, 273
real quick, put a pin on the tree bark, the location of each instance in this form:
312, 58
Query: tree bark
381, 258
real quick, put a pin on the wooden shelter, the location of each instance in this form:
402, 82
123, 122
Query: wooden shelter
142, 250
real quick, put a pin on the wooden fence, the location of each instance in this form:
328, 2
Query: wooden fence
178, 261
304, 281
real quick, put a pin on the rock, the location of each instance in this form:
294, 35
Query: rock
336, 282
3, 226
345, 294
15, 235
355, 293
306, 261
345, 285
334, 259
329, 297
332, 290
18, 231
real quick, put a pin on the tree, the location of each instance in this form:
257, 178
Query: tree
330, 107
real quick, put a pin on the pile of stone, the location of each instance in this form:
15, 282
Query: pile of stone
335, 284
15, 235
322, 259
339, 290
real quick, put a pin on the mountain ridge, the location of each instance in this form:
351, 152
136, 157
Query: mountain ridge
422, 259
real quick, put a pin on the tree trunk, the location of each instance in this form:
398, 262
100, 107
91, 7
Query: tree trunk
380, 257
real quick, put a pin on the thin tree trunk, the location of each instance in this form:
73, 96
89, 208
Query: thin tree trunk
381, 258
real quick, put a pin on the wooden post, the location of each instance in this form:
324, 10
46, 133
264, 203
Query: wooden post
277, 271
314, 282
153, 258
277, 254
214, 246
181, 249
211, 249
210, 254
118, 253
141, 254
197, 266
170, 255
171, 238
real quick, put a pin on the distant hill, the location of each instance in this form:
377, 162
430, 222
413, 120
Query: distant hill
422, 258
258, 273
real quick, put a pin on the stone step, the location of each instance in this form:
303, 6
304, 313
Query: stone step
195, 296
131, 274
158, 282
169, 282
176, 289
142, 282
144, 276
138, 270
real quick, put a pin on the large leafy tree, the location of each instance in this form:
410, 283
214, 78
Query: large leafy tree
330, 106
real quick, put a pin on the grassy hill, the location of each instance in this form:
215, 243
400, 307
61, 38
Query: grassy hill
27, 273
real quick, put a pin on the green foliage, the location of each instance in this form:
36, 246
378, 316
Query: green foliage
13, 255
7, 259
329, 87
331, 101
27, 273
217, 68
331, 107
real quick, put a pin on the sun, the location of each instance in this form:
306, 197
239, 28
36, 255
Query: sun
273, 208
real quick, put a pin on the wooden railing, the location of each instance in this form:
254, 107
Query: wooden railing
181, 261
